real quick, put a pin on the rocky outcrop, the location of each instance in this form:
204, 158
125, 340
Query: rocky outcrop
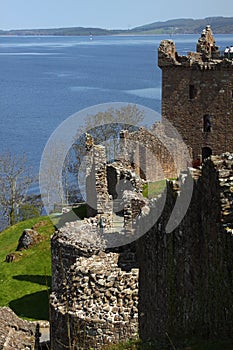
28, 238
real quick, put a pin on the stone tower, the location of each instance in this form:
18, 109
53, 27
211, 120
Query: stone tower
197, 95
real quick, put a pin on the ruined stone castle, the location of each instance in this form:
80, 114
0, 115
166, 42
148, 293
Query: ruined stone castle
110, 282
197, 95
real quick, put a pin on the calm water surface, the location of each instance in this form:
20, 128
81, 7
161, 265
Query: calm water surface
43, 80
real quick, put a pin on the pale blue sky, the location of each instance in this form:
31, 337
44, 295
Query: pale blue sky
111, 14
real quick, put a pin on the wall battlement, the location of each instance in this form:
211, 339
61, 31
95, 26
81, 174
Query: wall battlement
207, 55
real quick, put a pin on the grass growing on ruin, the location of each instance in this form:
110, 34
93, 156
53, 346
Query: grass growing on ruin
25, 282
154, 189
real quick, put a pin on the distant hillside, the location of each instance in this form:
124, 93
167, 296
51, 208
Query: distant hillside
219, 25
72, 31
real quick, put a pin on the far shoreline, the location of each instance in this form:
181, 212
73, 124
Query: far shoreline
98, 35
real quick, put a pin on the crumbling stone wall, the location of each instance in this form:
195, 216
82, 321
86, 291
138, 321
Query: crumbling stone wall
109, 183
160, 156
186, 276
15, 333
134, 205
96, 180
194, 86
94, 300
121, 178
206, 44
185, 279
71, 241
105, 183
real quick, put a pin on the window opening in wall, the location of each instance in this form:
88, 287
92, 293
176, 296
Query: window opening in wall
206, 153
206, 123
192, 92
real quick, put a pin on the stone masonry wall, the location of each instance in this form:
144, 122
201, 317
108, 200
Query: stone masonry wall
96, 179
159, 156
94, 300
72, 241
185, 279
186, 276
15, 333
196, 85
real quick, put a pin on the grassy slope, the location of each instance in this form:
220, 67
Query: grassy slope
26, 281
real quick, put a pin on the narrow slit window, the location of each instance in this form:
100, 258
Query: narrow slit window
206, 153
192, 92
206, 123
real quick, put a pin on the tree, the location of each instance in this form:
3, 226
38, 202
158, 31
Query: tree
15, 180
32, 207
106, 126
56, 180
62, 172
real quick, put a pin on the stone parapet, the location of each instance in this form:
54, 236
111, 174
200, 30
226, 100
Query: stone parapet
207, 55
70, 242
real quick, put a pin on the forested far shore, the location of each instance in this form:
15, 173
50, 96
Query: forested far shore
219, 25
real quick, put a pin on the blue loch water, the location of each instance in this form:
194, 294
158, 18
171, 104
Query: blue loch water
44, 80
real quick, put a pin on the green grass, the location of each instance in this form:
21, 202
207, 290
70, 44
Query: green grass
153, 189
25, 282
